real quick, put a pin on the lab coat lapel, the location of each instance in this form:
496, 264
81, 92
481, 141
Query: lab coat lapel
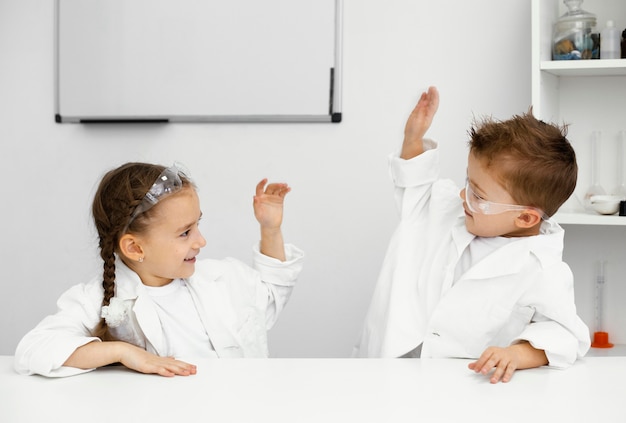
214, 314
150, 324
130, 287
506, 260
461, 238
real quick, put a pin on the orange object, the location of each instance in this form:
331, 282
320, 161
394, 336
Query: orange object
601, 340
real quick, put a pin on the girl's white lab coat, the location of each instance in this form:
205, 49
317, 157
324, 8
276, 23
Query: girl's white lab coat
521, 291
236, 304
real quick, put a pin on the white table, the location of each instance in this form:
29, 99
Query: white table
320, 390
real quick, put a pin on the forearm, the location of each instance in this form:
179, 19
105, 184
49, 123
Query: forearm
411, 147
97, 354
272, 243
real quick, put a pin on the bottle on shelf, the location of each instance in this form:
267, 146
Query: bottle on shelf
610, 42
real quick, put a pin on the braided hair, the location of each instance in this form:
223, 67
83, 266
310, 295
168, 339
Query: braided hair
119, 193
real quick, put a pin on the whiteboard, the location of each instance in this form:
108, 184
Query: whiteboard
198, 60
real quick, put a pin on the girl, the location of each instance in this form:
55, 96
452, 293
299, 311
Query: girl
154, 303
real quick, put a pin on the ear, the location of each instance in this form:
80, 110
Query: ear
527, 219
131, 248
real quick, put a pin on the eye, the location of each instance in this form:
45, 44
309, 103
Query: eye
478, 197
186, 233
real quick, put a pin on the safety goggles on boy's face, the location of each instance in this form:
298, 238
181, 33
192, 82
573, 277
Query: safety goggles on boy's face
168, 182
477, 204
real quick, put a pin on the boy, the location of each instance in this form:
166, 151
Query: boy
478, 275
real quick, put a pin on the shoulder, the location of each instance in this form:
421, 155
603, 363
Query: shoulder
84, 291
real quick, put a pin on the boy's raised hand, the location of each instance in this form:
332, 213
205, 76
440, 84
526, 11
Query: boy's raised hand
418, 123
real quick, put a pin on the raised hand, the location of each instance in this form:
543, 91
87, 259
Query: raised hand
418, 123
268, 211
268, 203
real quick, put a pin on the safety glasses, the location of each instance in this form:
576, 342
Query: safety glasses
168, 182
477, 204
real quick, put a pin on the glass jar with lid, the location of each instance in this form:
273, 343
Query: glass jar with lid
575, 36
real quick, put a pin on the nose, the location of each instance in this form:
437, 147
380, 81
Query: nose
462, 194
200, 241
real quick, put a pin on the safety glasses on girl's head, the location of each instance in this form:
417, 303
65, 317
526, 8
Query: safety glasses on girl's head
168, 182
477, 204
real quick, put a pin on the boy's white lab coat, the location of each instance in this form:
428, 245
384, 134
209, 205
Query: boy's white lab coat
521, 291
236, 304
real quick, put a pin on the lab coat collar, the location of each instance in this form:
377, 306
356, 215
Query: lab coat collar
547, 247
127, 282
210, 307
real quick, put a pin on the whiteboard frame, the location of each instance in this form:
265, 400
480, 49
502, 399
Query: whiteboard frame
334, 114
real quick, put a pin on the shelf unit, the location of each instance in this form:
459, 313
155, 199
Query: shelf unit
611, 67
584, 218
586, 95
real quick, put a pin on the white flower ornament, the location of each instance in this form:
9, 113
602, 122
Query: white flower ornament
115, 313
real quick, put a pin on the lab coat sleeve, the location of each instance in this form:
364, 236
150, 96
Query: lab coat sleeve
556, 327
413, 179
45, 348
278, 278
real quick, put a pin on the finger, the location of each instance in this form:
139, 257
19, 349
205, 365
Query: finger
508, 374
190, 368
433, 95
489, 364
498, 373
165, 372
181, 369
280, 189
478, 365
285, 189
260, 187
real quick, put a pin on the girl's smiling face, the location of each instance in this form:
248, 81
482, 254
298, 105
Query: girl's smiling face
172, 241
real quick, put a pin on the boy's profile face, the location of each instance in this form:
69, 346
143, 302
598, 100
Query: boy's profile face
486, 187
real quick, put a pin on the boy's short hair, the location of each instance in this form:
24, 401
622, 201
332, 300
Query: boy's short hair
532, 159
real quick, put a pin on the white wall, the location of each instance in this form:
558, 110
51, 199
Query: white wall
340, 211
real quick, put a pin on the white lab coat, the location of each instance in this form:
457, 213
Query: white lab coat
236, 304
521, 291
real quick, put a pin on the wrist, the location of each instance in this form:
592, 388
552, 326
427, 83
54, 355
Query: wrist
270, 231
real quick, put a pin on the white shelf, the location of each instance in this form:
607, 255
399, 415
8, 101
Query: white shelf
611, 67
583, 218
616, 351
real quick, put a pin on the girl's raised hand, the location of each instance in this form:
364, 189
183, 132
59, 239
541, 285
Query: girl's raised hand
268, 204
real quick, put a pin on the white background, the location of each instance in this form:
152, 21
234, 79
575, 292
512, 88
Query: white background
341, 209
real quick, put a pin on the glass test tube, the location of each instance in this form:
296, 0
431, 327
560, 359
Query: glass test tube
594, 188
599, 300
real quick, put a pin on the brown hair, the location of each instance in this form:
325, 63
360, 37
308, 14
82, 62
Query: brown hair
533, 159
119, 193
